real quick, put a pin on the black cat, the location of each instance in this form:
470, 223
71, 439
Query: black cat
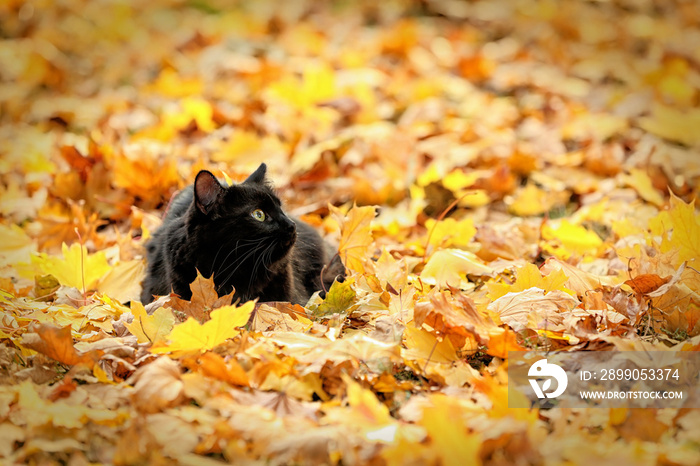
241, 235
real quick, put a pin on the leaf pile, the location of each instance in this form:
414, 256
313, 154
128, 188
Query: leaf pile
498, 176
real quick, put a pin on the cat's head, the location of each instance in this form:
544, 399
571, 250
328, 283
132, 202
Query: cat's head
243, 226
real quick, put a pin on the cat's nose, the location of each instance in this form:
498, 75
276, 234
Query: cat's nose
291, 227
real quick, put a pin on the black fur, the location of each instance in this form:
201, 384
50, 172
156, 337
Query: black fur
212, 228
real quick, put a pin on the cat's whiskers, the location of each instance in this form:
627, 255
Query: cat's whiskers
261, 259
236, 264
234, 250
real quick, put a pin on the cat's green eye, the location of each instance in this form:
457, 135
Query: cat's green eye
258, 215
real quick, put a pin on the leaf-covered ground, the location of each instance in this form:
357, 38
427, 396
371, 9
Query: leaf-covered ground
534, 167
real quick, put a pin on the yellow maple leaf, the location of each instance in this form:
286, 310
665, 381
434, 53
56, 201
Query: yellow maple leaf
641, 182
355, 235
150, 328
679, 228
531, 200
422, 348
366, 414
123, 281
450, 232
174, 120
76, 268
565, 239
458, 181
457, 445
365, 403
171, 84
191, 336
316, 84
16, 245
671, 123
248, 147
200, 111
527, 277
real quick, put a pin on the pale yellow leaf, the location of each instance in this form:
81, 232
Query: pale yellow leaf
123, 281
449, 266
355, 236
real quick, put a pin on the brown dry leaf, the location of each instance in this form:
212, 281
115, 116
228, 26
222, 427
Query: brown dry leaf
642, 424
459, 320
280, 316
158, 385
281, 404
533, 308
646, 283
204, 299
57, 343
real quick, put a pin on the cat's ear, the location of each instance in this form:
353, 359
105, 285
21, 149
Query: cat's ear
258, 176
207, 190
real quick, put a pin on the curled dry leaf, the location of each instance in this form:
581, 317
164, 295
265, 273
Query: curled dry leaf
533, 308
158, 385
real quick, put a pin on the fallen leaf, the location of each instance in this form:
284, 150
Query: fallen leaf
123, 281
679, 228
279, 317
450, 266
640, 181
77, 268
158, 385
355, 236
57, 343
532, 306
204, 299
340, 299
16, 245
455, 446
530, 276
213, 365
646, 283
191, 336
152, 328
642, 424
672, 123
564, 239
